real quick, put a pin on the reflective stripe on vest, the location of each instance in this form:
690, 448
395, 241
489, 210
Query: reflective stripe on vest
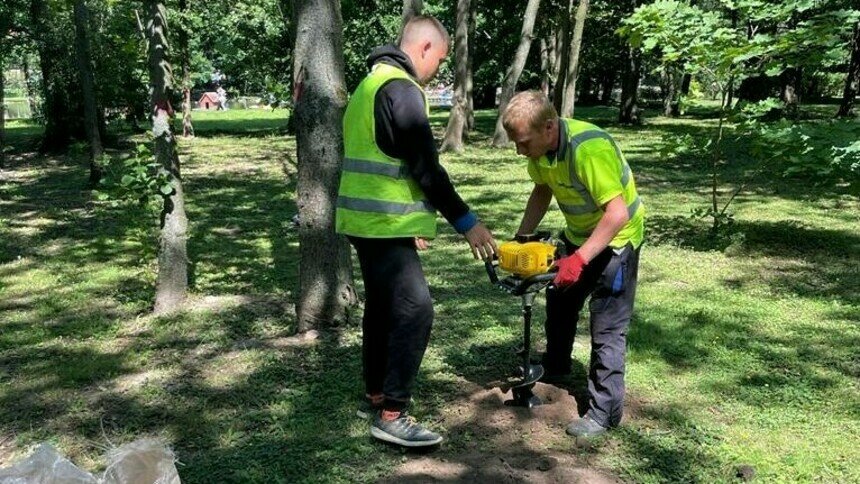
377, 196
369, 167
379, 206
589, 205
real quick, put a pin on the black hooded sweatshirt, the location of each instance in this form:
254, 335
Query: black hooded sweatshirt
403, 132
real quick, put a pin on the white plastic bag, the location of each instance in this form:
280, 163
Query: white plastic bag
45, 466
145, 461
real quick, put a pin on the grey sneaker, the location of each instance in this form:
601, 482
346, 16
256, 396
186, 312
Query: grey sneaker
403, 430
585, 427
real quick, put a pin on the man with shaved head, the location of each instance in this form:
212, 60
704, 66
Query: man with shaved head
390, 189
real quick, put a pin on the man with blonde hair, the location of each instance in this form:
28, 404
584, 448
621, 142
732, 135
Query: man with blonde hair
390, 189
582, 167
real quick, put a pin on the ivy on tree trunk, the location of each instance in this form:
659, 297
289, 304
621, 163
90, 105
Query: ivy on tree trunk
171, 285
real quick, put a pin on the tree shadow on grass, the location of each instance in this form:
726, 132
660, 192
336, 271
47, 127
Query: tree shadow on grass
290, 418
812, 263
242, 128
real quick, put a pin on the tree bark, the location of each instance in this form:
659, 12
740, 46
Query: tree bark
172, 284
470, 78
81, 19
606, 86
563, 57
512, 76
31, 89
586, 85
685, 84
411, 8
628, 112
2, 106
55, 109
325, 276
790, 91
187, 126
671, 93
578, 23
852, 79
544, 66
453, 140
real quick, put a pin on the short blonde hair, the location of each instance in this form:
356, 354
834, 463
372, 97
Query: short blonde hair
531, 107
419, 27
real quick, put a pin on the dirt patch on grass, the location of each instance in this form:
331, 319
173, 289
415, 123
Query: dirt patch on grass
489, 442
7, 449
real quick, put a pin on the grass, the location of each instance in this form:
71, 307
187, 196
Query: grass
743, 350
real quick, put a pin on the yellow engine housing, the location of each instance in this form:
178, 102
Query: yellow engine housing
526, 259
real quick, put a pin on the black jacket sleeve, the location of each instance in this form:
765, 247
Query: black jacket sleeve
403, 132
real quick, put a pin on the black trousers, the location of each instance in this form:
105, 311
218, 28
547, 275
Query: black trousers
610, 280
398, 315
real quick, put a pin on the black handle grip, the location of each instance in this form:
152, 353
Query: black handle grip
491, 271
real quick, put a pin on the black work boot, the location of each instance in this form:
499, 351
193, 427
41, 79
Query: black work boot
585, 427
403, 430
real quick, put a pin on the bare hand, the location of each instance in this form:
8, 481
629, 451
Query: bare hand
481, 241
421, 244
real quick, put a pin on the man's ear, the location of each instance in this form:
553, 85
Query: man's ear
425, 48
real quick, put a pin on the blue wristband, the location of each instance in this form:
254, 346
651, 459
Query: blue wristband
465, 223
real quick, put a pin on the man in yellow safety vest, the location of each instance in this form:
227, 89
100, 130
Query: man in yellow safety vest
581, 166
390, 189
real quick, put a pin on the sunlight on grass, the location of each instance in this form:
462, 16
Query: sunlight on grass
743, 348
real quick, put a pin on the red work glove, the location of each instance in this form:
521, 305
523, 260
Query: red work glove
569, 270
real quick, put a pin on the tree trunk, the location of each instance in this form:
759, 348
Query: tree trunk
2, 107
411, 8
544, 66
81, 19
31, 89
578, 23
55, 109
325, 275
671, 93
628, 112
172, 283
470, 79
790, 89
585, 87
187, 126
852, 80
756, 88
512, 76
685, 84
563, 57
453, 140
606, 87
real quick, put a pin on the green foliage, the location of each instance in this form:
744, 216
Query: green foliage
732, 40
119, 52
685, 36
815, 152
135, 180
